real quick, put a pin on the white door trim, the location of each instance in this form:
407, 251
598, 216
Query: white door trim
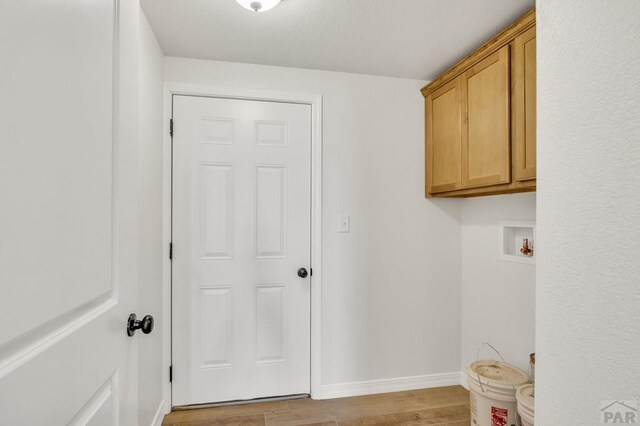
315, 101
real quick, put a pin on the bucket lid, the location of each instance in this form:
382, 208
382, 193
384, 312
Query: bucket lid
524, 395
498, 372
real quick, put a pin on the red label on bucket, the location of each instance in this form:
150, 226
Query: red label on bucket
499, 416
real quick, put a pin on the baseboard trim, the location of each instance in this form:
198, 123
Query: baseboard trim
463, 380
369, 387
157, 419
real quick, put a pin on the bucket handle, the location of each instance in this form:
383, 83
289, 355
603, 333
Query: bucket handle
481, 347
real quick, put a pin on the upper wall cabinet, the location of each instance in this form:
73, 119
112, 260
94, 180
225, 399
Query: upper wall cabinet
444, 136
481, 119
485, 141
525, 105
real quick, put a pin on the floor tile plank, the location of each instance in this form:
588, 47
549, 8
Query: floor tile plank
447, 406
251, 420
224, 411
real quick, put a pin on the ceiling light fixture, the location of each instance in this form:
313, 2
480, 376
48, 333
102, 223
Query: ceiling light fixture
258, 5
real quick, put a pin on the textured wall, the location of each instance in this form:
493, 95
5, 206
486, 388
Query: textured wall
588, 285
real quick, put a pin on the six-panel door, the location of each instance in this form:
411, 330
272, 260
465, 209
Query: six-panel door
241, 230
486, 136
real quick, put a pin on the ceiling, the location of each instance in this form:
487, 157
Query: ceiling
399, 38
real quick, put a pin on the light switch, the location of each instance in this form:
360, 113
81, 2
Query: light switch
345, 223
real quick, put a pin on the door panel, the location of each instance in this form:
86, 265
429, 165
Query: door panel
486, 139
216, 211
270, 211
241, 229
525, 105
444, 132
66, 278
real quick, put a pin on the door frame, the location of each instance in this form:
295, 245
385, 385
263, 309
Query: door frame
313, 100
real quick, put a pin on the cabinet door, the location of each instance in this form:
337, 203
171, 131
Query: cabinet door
444, 122
486, 141
525, 105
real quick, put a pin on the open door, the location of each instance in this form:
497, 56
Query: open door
67, 212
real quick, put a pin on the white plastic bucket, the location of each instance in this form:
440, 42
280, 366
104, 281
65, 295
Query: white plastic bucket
526, 404
493, 387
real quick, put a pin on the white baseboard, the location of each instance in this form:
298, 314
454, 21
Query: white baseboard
160, 412
370, 387
463, 380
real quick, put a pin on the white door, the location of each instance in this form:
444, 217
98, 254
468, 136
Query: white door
67, 247
241, 231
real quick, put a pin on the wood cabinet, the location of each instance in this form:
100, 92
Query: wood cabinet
444, 133
525, 105
485, 141
480, 119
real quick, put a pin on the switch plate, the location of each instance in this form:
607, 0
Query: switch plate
344, 223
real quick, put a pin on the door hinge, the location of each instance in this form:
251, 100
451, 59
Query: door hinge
170, 373
170, 251
171, 127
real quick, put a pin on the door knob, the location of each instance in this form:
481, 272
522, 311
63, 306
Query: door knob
133, 324
302, 273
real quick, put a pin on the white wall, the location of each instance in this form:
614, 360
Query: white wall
391, 287
152, 373
588, 286
498, 297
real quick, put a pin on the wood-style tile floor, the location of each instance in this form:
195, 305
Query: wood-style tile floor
448, 406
